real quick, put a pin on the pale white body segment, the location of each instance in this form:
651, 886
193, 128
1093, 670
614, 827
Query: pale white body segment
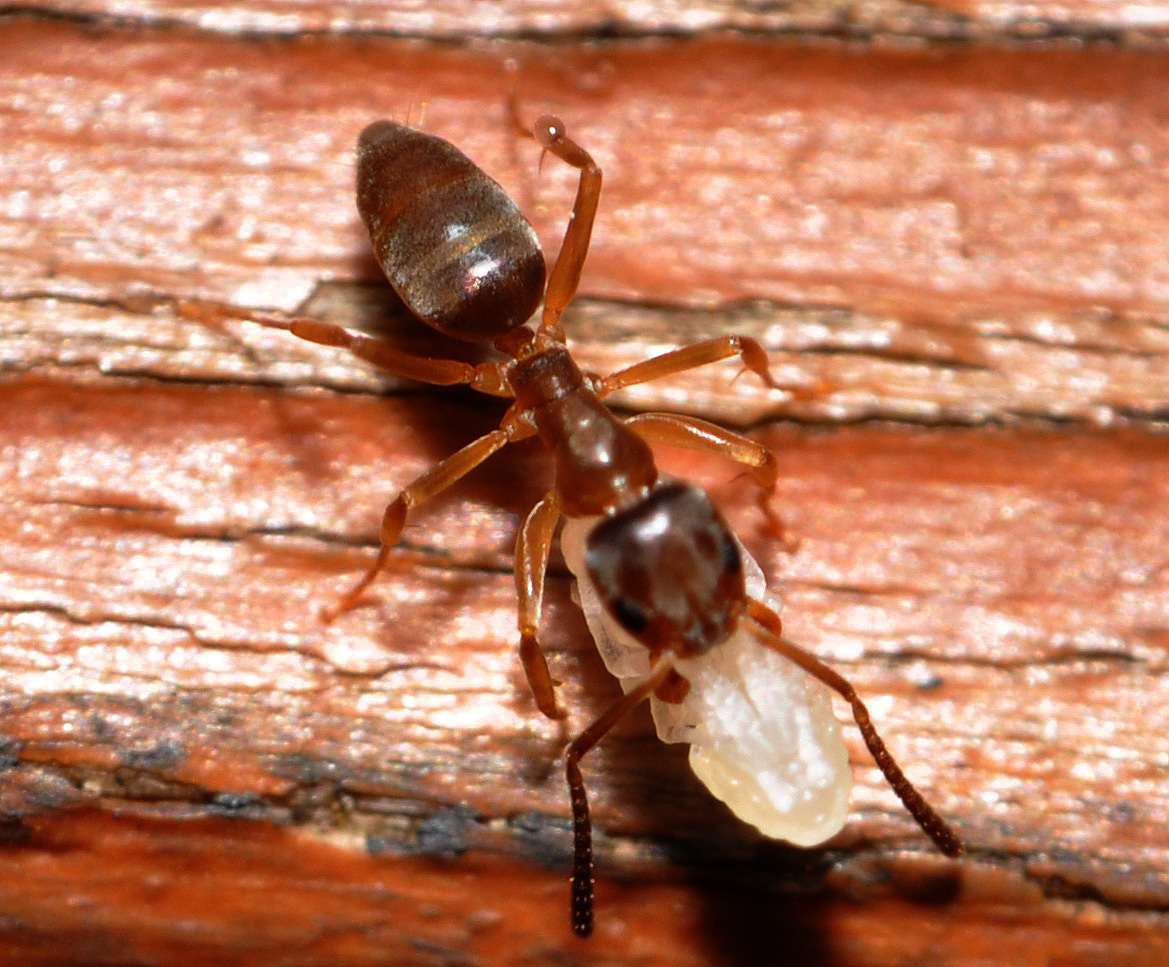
762, 734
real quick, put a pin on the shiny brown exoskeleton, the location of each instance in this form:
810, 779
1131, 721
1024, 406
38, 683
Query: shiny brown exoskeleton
466, 261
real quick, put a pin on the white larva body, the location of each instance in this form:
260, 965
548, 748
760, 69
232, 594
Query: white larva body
762, 735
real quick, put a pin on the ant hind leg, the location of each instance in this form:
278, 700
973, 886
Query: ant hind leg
549, 132
431, 483
424, 369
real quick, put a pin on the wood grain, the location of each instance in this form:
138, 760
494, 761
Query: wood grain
945, 237
457, 19
966, 246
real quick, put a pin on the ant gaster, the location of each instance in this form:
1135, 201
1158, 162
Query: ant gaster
665, 584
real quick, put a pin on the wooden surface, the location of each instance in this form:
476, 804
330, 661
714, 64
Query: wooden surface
967, 244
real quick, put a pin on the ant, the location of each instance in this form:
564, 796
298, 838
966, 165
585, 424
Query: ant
676, 604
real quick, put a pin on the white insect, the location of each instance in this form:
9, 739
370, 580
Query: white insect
761, 731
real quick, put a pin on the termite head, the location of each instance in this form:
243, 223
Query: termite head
669, 571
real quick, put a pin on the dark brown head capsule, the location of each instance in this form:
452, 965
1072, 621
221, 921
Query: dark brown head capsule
455, 248
669, 571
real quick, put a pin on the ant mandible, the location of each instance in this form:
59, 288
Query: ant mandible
666, 586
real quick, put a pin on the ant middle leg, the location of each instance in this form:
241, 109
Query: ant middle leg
690, 433
531, 564
431, 483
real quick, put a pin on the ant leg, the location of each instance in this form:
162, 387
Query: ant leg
435, 480
425, 369
691, 433
582, 825
698, 354
531, 563
548, 132
934, 826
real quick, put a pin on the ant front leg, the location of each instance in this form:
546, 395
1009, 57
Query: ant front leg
690, 433
749, 351
531, 564
549, 133
487, 378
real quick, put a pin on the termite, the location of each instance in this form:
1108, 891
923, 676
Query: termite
679, 609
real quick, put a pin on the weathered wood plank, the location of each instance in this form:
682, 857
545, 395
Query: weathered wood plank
962, 236
177, 501
552, 19
999, 597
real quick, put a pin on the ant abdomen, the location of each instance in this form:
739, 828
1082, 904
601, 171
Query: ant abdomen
454, 246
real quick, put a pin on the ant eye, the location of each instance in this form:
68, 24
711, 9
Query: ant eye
632, 617
732, 560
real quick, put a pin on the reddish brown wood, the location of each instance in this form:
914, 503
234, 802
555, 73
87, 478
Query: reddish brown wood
378, 912
967, 235
938, 19
178, 500
997, 596
860, 178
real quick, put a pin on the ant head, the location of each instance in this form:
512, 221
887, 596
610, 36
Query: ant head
669, 571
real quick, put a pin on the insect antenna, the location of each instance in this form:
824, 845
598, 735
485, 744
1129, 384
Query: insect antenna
582, 824
926, 817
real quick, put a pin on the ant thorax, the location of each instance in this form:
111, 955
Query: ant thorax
762, 734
